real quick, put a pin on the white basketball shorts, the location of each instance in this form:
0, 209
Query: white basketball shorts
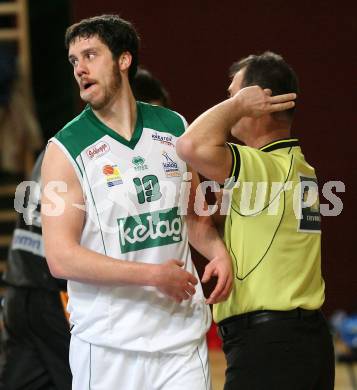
101, 368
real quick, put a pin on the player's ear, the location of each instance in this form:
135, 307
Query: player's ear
124, 61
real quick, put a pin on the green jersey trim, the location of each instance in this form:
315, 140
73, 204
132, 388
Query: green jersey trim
76, 136
162, 119
86, 128
107, 130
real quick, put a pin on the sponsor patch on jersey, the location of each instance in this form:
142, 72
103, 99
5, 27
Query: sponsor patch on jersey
139, 163
163, 139
170, 166
28, 241
98, 150
310, 218
112, 175
150, 230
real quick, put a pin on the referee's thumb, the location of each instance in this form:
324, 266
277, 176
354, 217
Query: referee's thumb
207, 274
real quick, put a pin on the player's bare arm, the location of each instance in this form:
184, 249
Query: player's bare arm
67, 259
203, 145
203, 236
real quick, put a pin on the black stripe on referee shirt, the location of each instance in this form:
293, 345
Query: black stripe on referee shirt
283, 143
235, 163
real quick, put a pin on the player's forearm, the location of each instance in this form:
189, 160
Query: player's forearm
83, 265
203, 236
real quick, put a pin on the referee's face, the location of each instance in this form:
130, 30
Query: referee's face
236, 83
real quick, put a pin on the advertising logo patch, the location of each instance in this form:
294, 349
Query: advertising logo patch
139, 163
170, 166
150, 230
163, 139
98, 150
112, 175
310, 206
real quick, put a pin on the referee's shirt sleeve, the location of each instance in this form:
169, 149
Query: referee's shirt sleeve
234, 174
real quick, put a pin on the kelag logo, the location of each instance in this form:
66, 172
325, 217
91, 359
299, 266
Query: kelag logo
149, 230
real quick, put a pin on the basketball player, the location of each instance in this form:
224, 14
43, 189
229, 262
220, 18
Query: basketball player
115, 225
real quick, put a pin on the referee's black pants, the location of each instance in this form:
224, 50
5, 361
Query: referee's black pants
37, 345
278, 354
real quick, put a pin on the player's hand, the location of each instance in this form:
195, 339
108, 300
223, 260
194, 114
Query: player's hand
255, 101
174, 281
222, 268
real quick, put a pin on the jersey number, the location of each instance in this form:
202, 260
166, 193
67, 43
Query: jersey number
147, 188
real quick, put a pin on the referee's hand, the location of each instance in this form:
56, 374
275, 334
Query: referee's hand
254, 101
221, 267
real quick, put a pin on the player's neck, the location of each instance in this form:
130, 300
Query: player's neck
121, 113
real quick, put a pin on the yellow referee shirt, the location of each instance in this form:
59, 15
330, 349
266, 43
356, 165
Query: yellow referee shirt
273, 231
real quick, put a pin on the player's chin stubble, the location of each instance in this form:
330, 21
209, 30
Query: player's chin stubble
110, 91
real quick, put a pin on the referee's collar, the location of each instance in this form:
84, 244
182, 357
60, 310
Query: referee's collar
279, 144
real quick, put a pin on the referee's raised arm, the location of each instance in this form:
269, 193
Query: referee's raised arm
204, 144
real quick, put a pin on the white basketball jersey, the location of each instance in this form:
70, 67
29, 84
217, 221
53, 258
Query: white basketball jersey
134, 197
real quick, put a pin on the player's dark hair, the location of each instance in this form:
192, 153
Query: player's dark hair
116, 33
147, 88
268, 70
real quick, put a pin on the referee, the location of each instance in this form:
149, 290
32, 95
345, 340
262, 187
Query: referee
37, 342
274, 335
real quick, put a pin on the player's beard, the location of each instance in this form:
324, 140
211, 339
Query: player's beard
109, 91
